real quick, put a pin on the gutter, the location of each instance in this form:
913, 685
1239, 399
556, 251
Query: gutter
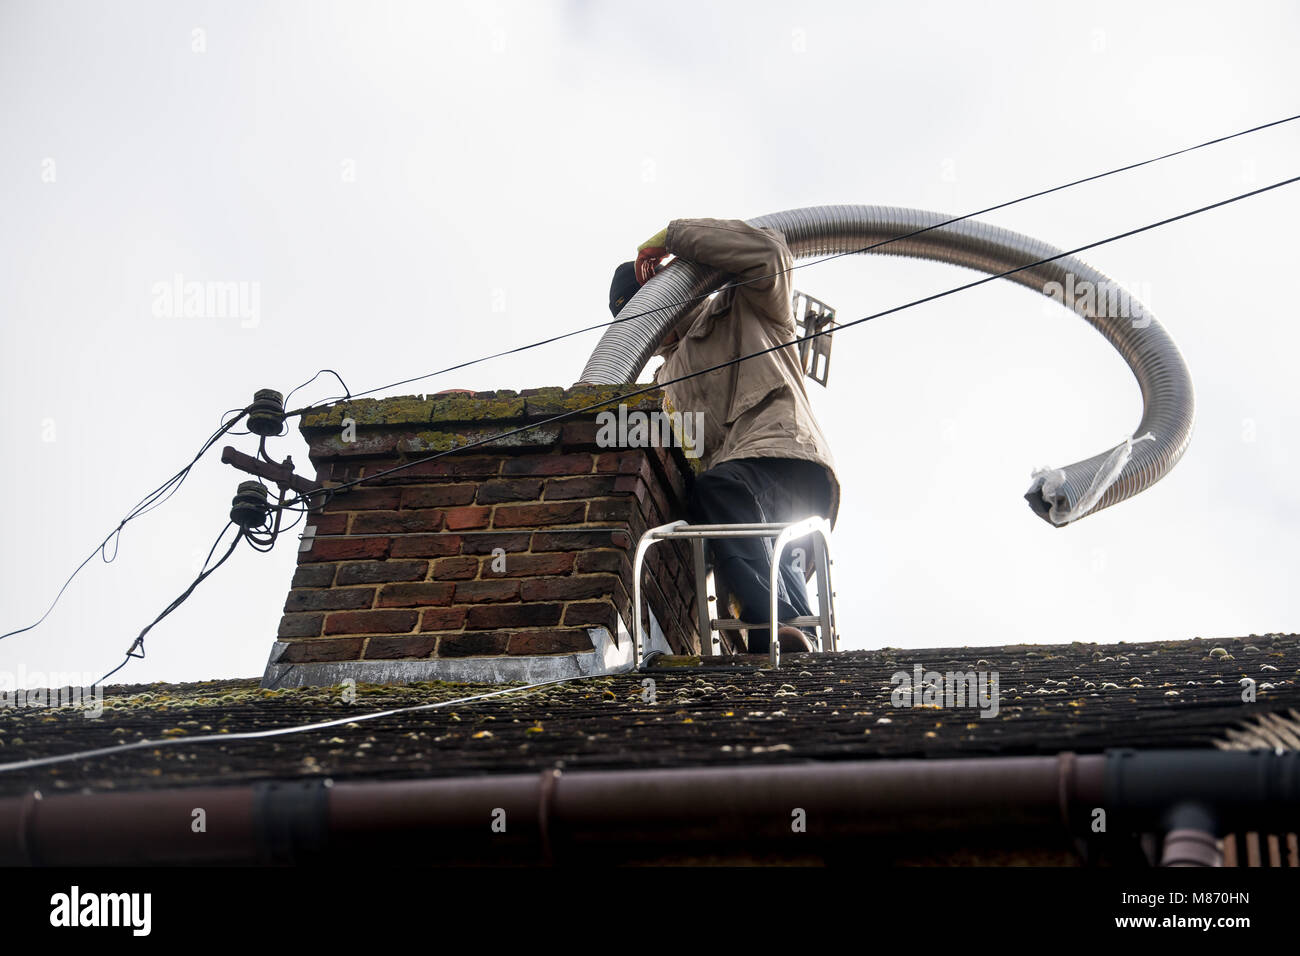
645, 815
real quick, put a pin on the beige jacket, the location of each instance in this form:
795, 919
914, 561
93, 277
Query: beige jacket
752, 409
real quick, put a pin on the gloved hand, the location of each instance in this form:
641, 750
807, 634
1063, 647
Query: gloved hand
650, 256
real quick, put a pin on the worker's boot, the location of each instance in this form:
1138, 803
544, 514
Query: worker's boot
793, 640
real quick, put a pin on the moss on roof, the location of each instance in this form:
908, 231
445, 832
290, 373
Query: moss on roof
1081, 697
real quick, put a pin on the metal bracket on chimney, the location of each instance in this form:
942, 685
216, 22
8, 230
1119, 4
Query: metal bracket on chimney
282, 475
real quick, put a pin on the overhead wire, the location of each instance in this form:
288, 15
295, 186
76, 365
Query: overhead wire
605, 402
161, 494
167, 489
149, 502
800, 265
257, 540
204, 573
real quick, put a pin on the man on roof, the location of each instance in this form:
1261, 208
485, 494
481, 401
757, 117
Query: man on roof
764, 457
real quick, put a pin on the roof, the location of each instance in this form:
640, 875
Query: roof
1081, 697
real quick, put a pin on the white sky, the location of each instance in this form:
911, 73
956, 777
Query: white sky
520, 151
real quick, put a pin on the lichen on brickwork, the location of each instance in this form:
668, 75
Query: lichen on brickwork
433, 441
545, 402
501, 406
403, 410
504, 405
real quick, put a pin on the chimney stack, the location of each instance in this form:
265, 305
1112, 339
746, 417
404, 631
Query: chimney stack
510, 561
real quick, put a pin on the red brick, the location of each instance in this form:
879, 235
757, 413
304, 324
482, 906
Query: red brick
396, 648
470, 516
605, 509
380, 572
341, 549
593, 613
443, 619
438, 496
579, 540
487, 543
642, 468
425, 546
301, 625
365, 499
530, 516
512, 615
314, 575
449, 467
517, 489
579, 464
369, 444
349, 470
579, 434
397, 522
604, 559
477, 467
549, 642
335, 599
483, 592
455, 569
634, 484
336, 649
414, 594
473, 645
623, 601
523, 565
328, 524
567, 588
567, 489
620, 462
370, 622
661, 503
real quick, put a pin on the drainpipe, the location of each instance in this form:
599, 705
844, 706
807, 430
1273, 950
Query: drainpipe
1195, 796
554, 817
1190, 837
602, 816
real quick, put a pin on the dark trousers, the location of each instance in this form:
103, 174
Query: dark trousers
753, 491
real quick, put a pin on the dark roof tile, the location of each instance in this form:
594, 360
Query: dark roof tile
1080, 697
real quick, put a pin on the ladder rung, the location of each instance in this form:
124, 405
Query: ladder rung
732, 624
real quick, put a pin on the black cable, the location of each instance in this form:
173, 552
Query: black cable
227, 412
846, 325
316, 376
204, 572
801, 265
146, 504
161, 494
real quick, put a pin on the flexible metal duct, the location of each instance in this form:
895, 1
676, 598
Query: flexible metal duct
1058, 495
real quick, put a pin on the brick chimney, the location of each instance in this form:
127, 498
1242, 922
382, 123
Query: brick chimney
509, 561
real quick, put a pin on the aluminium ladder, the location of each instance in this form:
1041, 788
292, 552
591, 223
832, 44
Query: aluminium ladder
784, 533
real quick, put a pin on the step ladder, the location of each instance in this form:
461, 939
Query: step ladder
785, 533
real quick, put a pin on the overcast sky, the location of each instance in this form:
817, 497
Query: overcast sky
413, 185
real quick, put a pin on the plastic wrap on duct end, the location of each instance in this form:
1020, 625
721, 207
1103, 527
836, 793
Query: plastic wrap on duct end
1051, 497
